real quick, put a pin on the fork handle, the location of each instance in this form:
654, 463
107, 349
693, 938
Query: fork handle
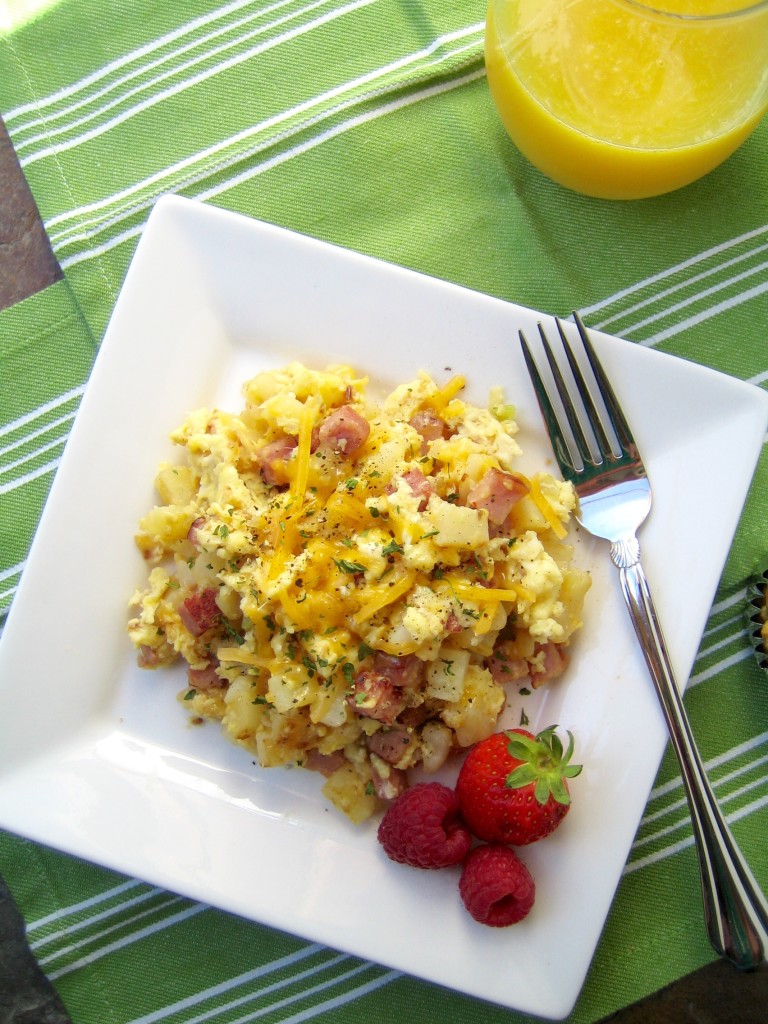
735, 910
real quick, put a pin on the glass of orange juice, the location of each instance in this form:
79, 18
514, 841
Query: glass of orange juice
623, 100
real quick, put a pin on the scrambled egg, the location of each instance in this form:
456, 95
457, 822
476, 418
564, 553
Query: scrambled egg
352, 586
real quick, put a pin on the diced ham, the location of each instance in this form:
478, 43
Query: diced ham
271, 459
452, 623
506, 667
344, 430
406, 673
415, 716
391, 745
420, 485
554, 664
326, 764
375, 696
199, 611
388, 782
206, 678
497, 493
148, 657
194, 529
429, 425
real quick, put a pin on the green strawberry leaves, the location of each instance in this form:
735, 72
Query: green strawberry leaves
543, 764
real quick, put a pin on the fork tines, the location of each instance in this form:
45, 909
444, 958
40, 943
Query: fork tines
584, 420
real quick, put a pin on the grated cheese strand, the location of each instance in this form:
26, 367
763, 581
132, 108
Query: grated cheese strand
387, 595
544, 506
449, 390
482, 595
306, 423
240, 657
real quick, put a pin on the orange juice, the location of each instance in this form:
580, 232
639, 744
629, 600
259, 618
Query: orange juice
615, 100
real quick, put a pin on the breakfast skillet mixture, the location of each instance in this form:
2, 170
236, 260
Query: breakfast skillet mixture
352, 585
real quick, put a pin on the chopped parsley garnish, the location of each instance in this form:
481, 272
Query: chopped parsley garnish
351, 568
230, 630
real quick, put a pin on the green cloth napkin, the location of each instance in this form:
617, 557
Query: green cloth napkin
369, 124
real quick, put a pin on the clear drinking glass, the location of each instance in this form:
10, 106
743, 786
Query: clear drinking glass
623, 100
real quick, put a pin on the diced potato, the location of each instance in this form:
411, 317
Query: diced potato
473, 717
290, 690
176, 485
445, 676
352, 793
576, 583
526, 515
457, 526
329, 705
436, 744
161, 528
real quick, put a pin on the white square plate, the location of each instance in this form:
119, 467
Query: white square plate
97, 757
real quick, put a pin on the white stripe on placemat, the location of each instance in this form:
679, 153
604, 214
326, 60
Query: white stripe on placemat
683, 844
75, 908
89, 940
127, 940
715, 762
662, 275
676, 805
43, 449
281, 1004
707, 314
41, 410
354, 122
342, 1000
184, 173
169, 55
224, 988
102, 915
196, 79
121, 62
679, 803
34, 474
685, 821
721, 666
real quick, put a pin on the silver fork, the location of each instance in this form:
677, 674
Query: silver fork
595, 450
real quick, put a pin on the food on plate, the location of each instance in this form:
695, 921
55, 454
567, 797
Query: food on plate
422, 828
351, 584
513, 786
496, 887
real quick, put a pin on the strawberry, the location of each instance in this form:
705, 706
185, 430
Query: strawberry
513, 788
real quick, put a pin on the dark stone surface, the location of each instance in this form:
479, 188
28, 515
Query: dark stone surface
26, 995
716, 994
26, 262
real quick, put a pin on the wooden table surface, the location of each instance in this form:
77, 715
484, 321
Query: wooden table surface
716, 994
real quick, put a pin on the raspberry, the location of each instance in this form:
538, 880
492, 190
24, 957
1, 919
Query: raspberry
496, 887
422, 828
